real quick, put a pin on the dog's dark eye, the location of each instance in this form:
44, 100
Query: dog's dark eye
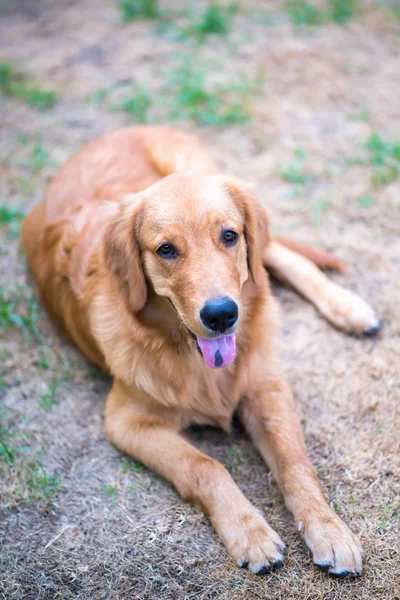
167, 251
230, 237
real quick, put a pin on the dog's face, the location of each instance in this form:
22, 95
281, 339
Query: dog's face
197, 240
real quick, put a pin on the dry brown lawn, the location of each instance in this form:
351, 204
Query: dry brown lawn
78, 519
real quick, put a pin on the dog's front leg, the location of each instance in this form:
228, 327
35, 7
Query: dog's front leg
199, 478
269, 416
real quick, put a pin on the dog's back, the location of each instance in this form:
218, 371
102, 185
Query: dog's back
62, 233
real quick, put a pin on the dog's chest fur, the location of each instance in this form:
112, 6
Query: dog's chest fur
164, 369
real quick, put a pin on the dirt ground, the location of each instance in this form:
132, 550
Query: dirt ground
78, 519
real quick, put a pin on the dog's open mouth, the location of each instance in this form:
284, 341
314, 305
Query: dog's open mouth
217, 352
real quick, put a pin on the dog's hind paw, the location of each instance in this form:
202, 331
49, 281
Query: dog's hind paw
347, 311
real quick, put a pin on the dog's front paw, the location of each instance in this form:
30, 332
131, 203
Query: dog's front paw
334, 547
253, 544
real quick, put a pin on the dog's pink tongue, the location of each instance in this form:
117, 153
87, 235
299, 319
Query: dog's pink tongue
218, 352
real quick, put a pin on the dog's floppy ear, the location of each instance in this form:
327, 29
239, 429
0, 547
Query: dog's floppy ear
122, 252
256, 225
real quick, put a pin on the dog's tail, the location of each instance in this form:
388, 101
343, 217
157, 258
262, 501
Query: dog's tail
319, 257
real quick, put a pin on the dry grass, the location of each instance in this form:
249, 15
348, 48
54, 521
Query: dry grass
78, 520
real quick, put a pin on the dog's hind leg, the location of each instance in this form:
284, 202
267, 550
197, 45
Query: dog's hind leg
339, 306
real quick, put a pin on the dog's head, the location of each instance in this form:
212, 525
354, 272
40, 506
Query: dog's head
196, 240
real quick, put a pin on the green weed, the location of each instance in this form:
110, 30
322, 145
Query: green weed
365, 201
136, 105
385, 158
24, 478
216, 19
20, 311
341, 11
131, 10
233, 458
379, 429
136, 102
11, 218
294, 172
41, 485
219, 104
187, 94
306, 13
6, 452
111, 491
14, 84
318, 209
382, 156
302, 12
42, 363
38, 158
9, 214
380, 150
48, 399
130, 465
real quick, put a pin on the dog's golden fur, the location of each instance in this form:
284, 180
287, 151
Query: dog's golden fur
92, 247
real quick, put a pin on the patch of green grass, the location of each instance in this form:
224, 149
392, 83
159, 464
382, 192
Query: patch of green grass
379, 429
41, 485
49, 399
218, 104
111, 491
380, 150
384, 156
295, 172
136, 105
385, 175
365, 201
318, 209
42, 363
215, 18
132, 10
11, 218
24, 478
17, 310
136, 102
38, 157
395, 11
9, 214
341, 11
130, 465
302, 12
15, 85
190, 92
233, 458
6, 452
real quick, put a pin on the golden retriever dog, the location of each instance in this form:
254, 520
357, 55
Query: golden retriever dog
152, 263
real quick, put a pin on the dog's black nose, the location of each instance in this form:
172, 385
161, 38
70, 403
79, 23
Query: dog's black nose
219, 314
